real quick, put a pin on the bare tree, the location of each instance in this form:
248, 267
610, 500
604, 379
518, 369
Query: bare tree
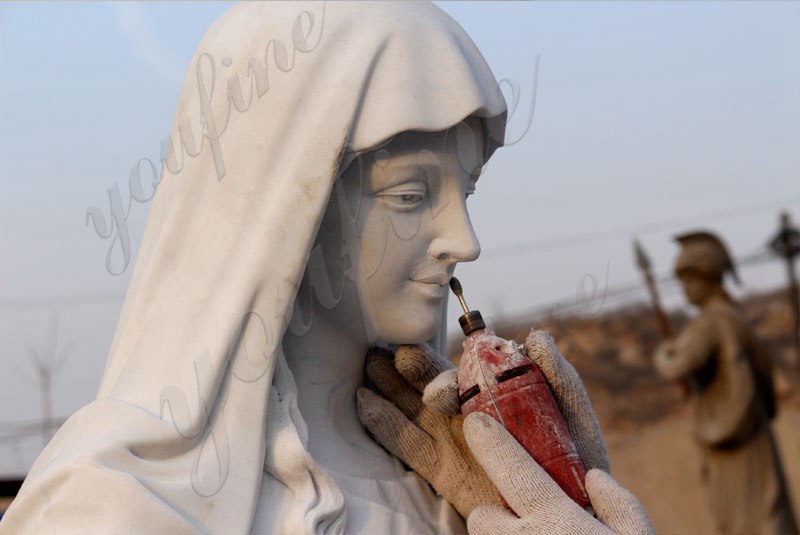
48, 364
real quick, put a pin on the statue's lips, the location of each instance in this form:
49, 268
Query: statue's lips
442, 279
430, 289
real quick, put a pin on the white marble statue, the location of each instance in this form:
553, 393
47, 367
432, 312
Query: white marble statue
228, 400
312, 204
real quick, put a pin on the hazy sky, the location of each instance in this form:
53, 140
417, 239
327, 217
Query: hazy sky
651, 116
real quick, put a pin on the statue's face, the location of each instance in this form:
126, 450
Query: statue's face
697, 286
413, 227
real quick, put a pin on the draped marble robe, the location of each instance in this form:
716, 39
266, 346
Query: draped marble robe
196, 426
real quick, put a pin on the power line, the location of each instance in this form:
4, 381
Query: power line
601, 235
627, 293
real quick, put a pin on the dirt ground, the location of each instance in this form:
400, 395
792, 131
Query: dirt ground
660, 464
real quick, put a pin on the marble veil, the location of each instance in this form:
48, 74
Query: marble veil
276, 100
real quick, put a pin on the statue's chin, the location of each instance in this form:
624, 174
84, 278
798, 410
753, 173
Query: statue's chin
408, 334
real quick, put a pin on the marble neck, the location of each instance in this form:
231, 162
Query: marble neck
328, 366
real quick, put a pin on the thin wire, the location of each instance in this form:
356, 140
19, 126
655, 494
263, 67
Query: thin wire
578, 239
614, 293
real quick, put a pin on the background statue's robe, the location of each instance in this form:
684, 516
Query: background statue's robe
733, 398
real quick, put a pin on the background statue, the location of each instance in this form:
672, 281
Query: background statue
312, 204
732, 392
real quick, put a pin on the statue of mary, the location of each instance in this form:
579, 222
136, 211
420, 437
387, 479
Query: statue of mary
312, 204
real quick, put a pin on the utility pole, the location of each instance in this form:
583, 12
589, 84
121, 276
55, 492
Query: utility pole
786, 243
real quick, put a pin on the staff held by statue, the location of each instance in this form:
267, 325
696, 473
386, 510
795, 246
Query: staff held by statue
643, 263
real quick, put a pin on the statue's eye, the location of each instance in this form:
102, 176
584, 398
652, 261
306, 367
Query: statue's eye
411, 197
406, 196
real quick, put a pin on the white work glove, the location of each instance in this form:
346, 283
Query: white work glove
571, 398
429, 442
543, 508
543, 499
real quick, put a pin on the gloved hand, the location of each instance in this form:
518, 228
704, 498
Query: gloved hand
571, 398
545, 501
528, 489
428, 441
543, 507
441, 394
